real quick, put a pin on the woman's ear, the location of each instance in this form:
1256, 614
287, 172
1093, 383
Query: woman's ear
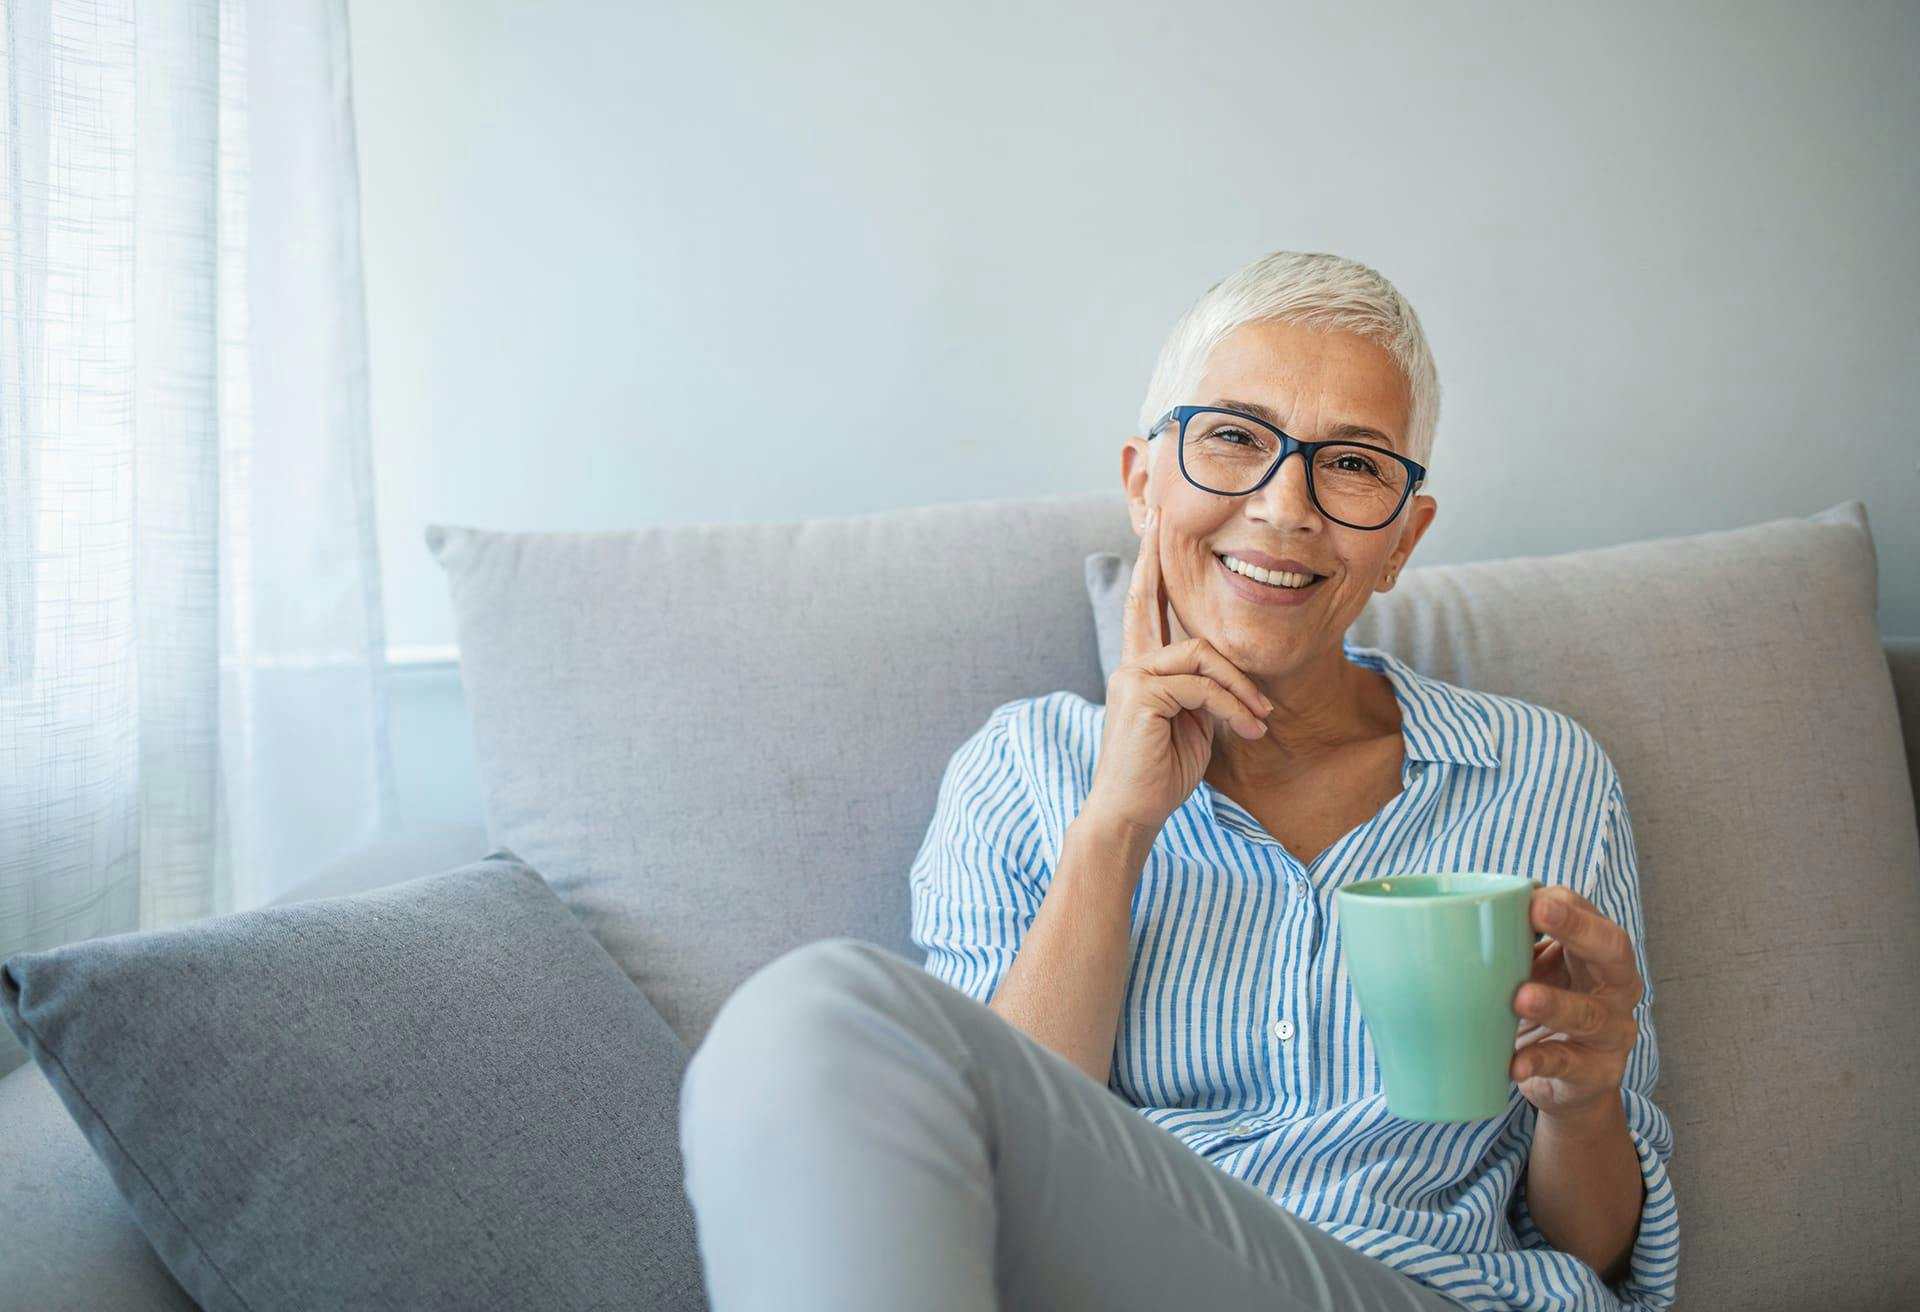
1136, 477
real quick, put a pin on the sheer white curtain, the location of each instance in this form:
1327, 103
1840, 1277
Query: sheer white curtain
193, 697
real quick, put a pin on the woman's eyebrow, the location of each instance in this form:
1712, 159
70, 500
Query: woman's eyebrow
1355, 432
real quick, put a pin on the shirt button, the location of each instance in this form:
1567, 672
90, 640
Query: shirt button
1241, 1127
1283, 1029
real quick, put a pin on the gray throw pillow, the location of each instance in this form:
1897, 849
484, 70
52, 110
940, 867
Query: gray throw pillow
438, 1094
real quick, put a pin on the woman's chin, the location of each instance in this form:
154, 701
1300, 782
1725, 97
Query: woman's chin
1255, 647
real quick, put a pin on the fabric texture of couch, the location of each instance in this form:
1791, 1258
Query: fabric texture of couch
719, 742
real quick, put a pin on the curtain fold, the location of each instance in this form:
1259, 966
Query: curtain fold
193, 689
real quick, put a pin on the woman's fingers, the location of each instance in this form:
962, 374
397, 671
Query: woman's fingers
1142, 628
1549, 967
1196, 692
1144, 640
1198, 656
1550, 964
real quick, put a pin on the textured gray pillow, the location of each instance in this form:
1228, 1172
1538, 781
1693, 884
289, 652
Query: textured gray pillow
438, 1094
720, 741
1737, 680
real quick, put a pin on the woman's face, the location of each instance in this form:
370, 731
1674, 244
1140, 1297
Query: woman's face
1311, 380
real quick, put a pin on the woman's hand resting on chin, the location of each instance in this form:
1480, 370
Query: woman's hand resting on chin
1161, 706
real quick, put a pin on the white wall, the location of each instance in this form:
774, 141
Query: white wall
654, 264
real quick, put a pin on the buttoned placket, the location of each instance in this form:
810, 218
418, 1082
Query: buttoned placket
1289, 1061
1280, 1030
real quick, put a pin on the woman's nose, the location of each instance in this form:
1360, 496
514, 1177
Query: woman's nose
1285, 491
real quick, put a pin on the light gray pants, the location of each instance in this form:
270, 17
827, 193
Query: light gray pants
858, 1134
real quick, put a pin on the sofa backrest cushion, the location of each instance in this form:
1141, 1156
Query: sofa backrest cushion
721, 742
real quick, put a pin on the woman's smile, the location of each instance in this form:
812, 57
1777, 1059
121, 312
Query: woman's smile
1267, 594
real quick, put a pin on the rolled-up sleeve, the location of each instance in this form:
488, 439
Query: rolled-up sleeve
980, 873
1653, 1272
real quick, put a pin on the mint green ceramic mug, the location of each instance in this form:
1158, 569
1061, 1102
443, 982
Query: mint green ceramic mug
1436, 960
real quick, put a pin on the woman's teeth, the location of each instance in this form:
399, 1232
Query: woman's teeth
1272, 578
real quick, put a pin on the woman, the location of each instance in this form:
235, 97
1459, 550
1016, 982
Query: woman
1132, 1073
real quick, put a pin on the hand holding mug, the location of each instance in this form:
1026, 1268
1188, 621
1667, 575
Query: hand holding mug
1577, 1027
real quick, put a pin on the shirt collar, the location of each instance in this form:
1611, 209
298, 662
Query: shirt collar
1438, 721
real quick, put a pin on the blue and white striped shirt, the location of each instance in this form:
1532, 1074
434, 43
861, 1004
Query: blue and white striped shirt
1239, 1031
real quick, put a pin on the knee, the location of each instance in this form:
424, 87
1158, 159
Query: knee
796, 1016
818, 979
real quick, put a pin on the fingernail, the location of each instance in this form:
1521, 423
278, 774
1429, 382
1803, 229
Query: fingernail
1151, 512
1553, 912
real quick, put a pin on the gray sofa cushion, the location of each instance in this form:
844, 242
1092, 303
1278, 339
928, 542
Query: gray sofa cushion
718, 742
1738, 683
441, 1093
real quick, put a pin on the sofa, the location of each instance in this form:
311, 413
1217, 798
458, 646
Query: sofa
718, 742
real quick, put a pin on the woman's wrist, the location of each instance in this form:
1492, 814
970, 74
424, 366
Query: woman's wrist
1109, 847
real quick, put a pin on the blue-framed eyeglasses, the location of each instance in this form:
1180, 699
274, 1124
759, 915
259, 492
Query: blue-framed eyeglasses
1232, 454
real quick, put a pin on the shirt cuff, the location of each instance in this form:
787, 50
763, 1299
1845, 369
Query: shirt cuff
1654, 1268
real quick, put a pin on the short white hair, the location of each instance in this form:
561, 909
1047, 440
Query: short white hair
1315, 290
